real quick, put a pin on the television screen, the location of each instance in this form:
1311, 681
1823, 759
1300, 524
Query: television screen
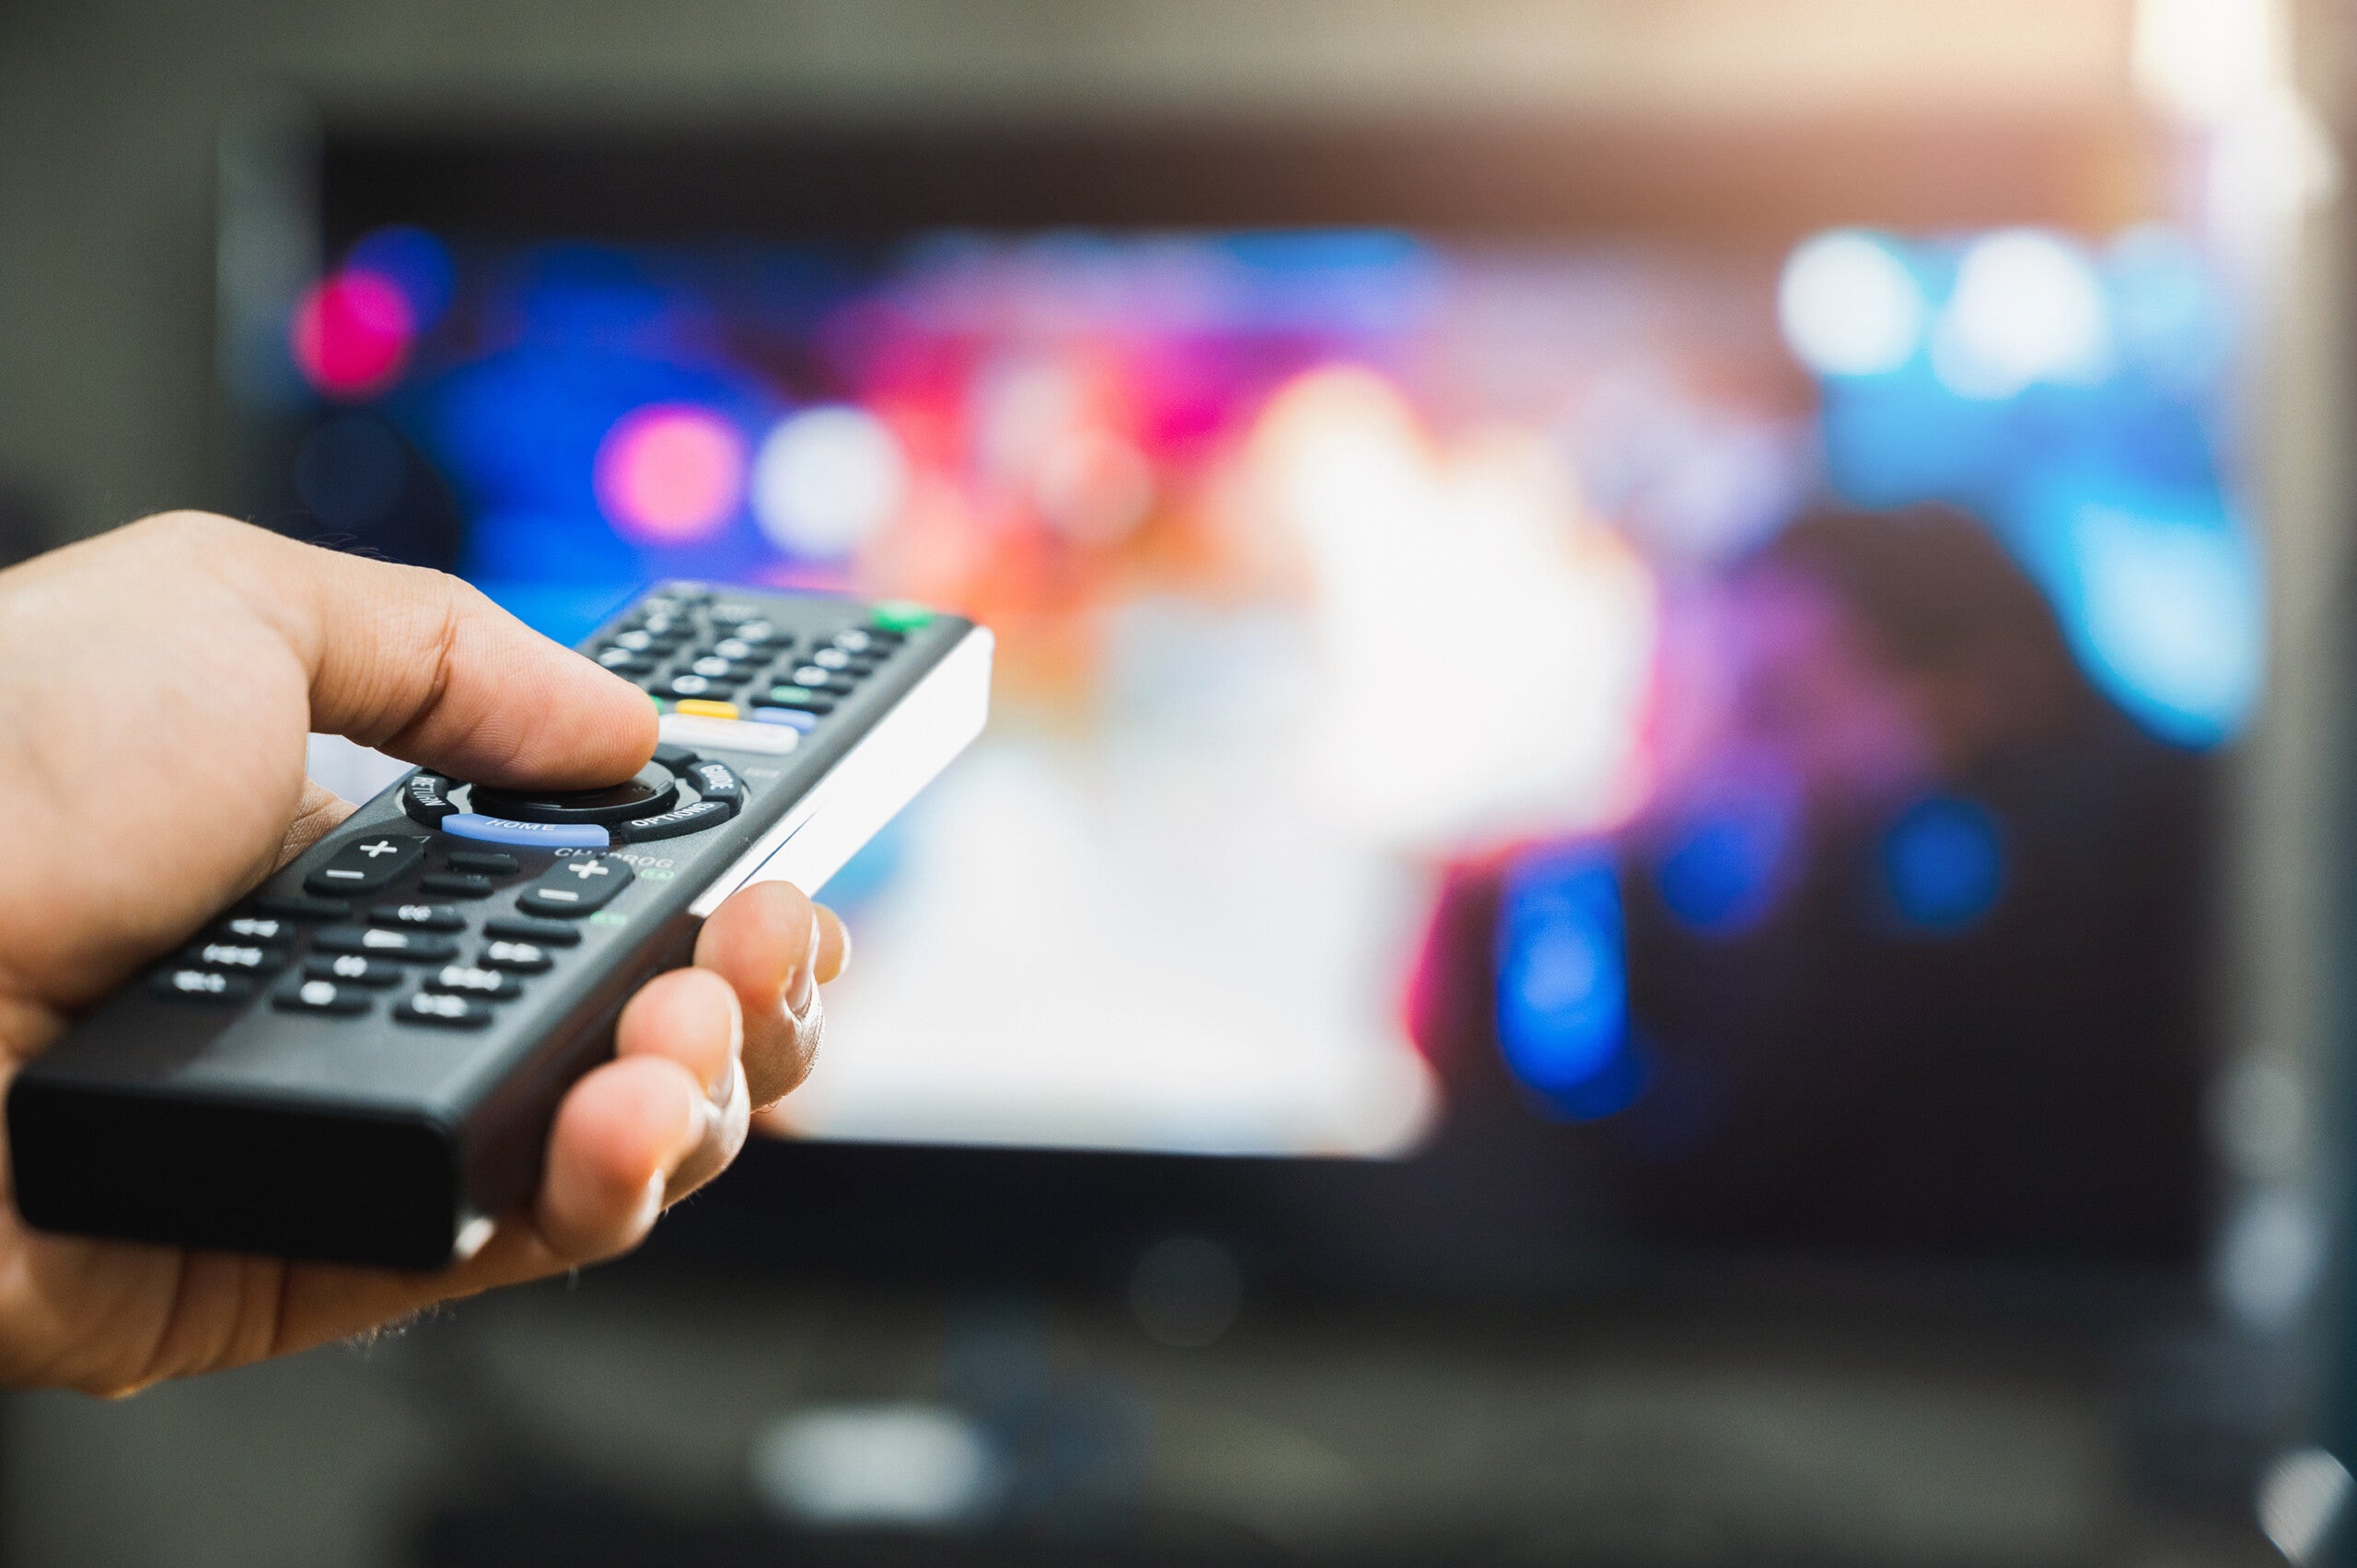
1739, 730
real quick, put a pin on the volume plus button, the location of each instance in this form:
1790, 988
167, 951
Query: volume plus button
365, 865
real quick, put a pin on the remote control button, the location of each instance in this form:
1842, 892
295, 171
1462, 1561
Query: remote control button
761, 633
237, 958
653, 790
367, 864
899, 615
537, 835
320, 996
677, 758
201, 986
250, 928
443, 1011
468, 980
294, 906
733, 612
712, 667
831, 659
622, 661
818, 677
353, 970
426, 797
672, 824
793, 718
412, 946
731, 735
801, 697
857, 642
638, 640
454, 885
688, 686
484, 863
738, 650
574, 888
419, 917
717, 781
524, 958
539, 932
696, 708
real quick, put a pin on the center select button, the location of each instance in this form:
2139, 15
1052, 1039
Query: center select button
532, 835
652, 791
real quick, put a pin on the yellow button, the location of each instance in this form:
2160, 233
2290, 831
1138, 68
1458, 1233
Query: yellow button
704, 709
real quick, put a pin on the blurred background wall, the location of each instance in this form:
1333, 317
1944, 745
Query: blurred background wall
109, 114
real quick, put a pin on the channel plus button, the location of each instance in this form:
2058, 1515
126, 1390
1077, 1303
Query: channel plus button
572, 889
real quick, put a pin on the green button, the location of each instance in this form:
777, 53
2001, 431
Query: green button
899, 615
660, 705
792, 694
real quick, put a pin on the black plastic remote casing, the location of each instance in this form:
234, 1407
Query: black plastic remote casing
201, 1116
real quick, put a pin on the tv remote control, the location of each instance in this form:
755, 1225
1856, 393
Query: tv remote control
359, 1061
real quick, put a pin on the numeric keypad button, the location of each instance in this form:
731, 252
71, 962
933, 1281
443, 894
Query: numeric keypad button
320, 996
351, 968
201, 986
442, 1010
523, 957
254, 928
409, 946
484, 863
466, 980
237, 958
419, 917
622, 661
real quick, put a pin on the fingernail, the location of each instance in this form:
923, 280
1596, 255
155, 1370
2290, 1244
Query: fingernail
801, 988
804, 983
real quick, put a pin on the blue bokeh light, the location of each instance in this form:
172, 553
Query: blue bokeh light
2106, 487
416, 261
1725, 865
1563, 996
1943, 865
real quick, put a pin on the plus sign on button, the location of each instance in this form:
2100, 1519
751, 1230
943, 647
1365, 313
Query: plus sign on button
572, 889
365, 863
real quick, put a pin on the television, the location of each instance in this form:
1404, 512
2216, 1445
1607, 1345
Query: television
1574, 698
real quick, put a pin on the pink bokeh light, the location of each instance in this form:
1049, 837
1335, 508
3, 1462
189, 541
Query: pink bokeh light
671, 474
352, 332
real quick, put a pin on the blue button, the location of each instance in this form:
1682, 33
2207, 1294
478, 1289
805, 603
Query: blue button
539, 835
787, 716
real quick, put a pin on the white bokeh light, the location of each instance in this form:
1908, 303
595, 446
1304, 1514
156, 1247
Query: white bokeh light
826, 480
2027, 306
1848, 305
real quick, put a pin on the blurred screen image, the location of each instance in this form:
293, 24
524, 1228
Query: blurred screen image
1745, 728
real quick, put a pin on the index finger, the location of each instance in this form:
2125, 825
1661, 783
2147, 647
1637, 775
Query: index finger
418, 664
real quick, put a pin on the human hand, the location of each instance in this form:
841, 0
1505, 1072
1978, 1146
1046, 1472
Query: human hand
156, 687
